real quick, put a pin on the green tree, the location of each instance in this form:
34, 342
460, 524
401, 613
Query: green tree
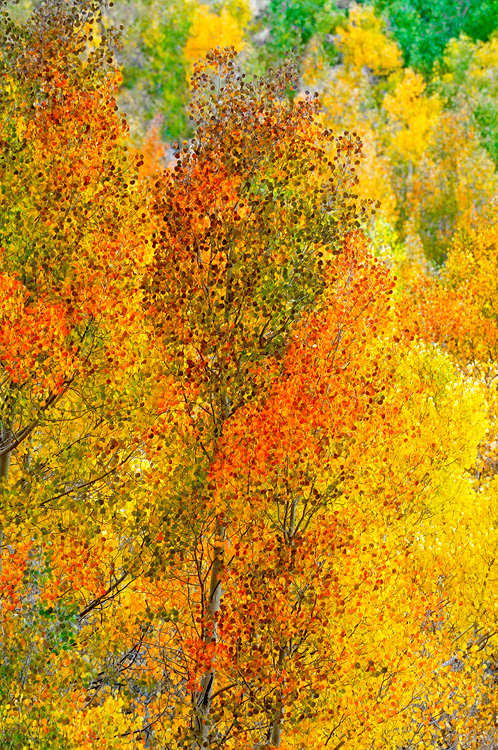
154, 69
423, 29
287, 26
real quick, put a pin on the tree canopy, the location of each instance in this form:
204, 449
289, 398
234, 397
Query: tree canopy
248, 408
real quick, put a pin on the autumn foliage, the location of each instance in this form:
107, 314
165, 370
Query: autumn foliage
247, 462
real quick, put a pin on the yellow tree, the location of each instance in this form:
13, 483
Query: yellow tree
368, 61
210, 29
424, 156
456, 312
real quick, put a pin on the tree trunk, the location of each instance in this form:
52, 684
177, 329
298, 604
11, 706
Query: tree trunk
5, 437
278, 720
203, 699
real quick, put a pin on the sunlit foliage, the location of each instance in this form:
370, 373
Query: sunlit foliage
249, 436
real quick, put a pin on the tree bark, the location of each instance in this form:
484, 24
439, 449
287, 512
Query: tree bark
6, 438
203, 698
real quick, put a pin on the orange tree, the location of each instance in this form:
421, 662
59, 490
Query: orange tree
241, 229
73, 245
301, 403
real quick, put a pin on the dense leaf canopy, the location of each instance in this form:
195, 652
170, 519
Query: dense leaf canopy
248, 383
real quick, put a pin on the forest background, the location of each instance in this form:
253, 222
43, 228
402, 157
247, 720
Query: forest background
248, 393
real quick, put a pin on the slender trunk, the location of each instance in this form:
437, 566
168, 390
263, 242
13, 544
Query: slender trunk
203, 696
5, 437
292, 520
278, 721
275, 733
410, 172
